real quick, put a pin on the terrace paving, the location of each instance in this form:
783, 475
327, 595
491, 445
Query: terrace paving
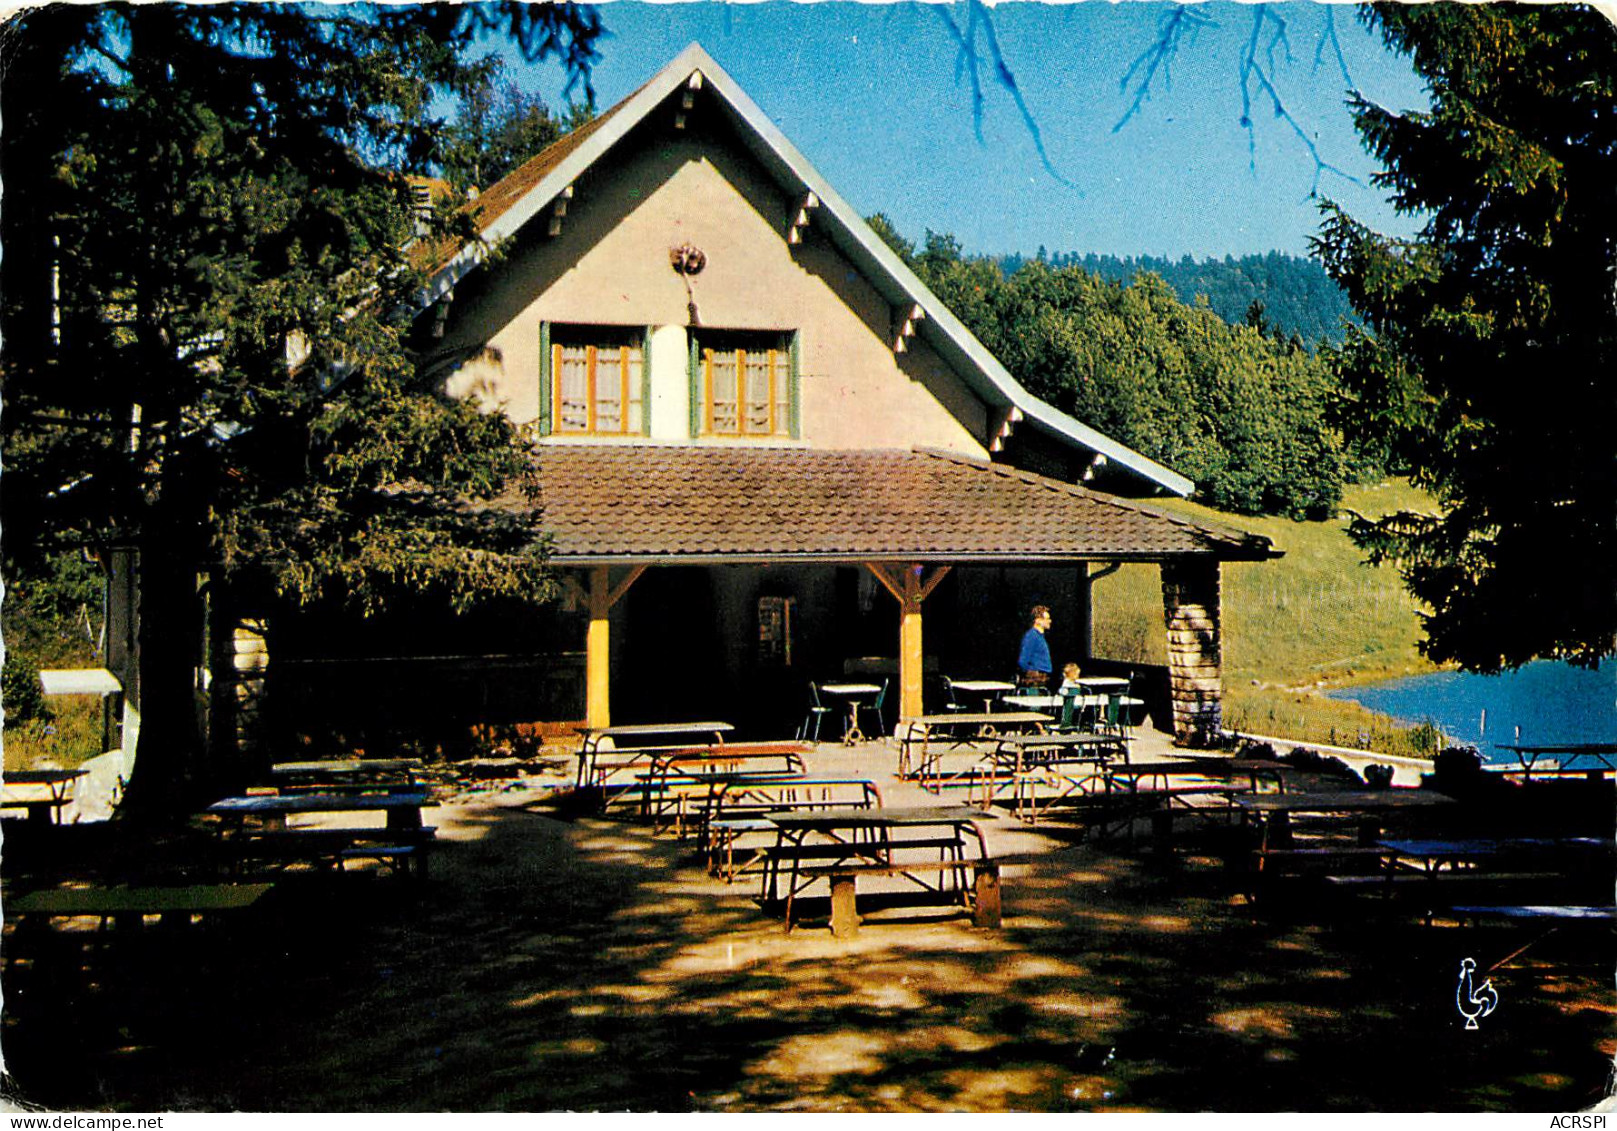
555, 964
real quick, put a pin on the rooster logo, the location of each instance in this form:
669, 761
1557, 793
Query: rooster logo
1474, 1002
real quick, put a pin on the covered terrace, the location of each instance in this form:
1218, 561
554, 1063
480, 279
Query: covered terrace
777, 522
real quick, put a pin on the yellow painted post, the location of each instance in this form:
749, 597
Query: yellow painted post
909, 646
598, 652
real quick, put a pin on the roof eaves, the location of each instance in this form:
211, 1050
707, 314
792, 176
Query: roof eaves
1261, 546
623, 118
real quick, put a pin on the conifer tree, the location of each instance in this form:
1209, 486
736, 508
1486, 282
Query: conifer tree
1488, 366
207, 235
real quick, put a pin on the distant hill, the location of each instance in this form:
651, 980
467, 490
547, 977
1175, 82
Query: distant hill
1297, 296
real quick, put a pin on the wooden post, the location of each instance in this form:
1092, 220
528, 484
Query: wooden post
985, 906
909, 591
844, 915
598, 653
910, 655
598, 643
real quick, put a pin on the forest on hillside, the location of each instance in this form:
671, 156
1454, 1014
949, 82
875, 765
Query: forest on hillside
1242, 409
1296, 294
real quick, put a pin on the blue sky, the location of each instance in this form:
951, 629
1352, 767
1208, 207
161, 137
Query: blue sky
871, 94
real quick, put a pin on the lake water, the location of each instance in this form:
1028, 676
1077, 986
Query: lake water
1551, 703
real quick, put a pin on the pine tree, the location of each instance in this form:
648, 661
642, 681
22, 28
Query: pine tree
206, 232
1487, 371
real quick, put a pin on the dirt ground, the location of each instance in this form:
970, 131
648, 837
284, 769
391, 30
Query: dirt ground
585, 964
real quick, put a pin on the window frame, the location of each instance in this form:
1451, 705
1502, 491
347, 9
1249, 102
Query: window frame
784, 382
634, 338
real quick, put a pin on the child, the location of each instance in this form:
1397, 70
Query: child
1069, 678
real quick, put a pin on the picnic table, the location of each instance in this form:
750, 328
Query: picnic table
1429, 856
594, 772
43, 808
336, 771
403, 810
1027, 762
956, 728
928, 850
1274, 811
744, 805
1173, 795
128, 907
674, 778
1602, 755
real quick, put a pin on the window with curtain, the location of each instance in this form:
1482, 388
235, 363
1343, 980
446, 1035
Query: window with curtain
596, 379
746, 384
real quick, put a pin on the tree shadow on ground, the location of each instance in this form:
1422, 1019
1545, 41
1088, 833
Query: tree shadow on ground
551, 965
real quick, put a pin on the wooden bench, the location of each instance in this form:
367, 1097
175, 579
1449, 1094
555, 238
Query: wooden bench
1391, 885
982, 899
1560, 912
399, 849
40, 810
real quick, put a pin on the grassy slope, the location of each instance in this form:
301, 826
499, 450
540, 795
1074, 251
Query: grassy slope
1316, 617
73, 734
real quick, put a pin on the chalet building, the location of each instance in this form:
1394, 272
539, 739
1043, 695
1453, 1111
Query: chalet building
767, 453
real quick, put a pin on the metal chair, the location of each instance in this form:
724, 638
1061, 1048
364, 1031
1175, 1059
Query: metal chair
809, 731
952, 703
1070, 719
876, 706
1115, 719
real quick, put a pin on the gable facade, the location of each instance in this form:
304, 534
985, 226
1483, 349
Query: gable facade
607, 273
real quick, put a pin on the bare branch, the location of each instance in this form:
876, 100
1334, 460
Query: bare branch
1171, 28
968, 61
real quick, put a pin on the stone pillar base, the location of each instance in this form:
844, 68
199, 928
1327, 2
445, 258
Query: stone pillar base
1190, 602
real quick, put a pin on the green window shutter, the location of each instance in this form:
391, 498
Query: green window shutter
544, 378
645, 383
695, 370
794, 395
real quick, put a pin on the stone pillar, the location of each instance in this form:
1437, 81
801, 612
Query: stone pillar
1190, 610
244, 695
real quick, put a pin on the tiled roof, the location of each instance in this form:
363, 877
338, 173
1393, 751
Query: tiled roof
654, 502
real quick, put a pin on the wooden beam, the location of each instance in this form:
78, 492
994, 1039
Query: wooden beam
622, 587
909, 590
890, 583
931, 583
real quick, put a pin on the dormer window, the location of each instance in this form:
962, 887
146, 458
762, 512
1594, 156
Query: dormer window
745, 383
596, 380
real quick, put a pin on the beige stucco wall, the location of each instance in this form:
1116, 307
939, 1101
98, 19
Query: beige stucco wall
610, 265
